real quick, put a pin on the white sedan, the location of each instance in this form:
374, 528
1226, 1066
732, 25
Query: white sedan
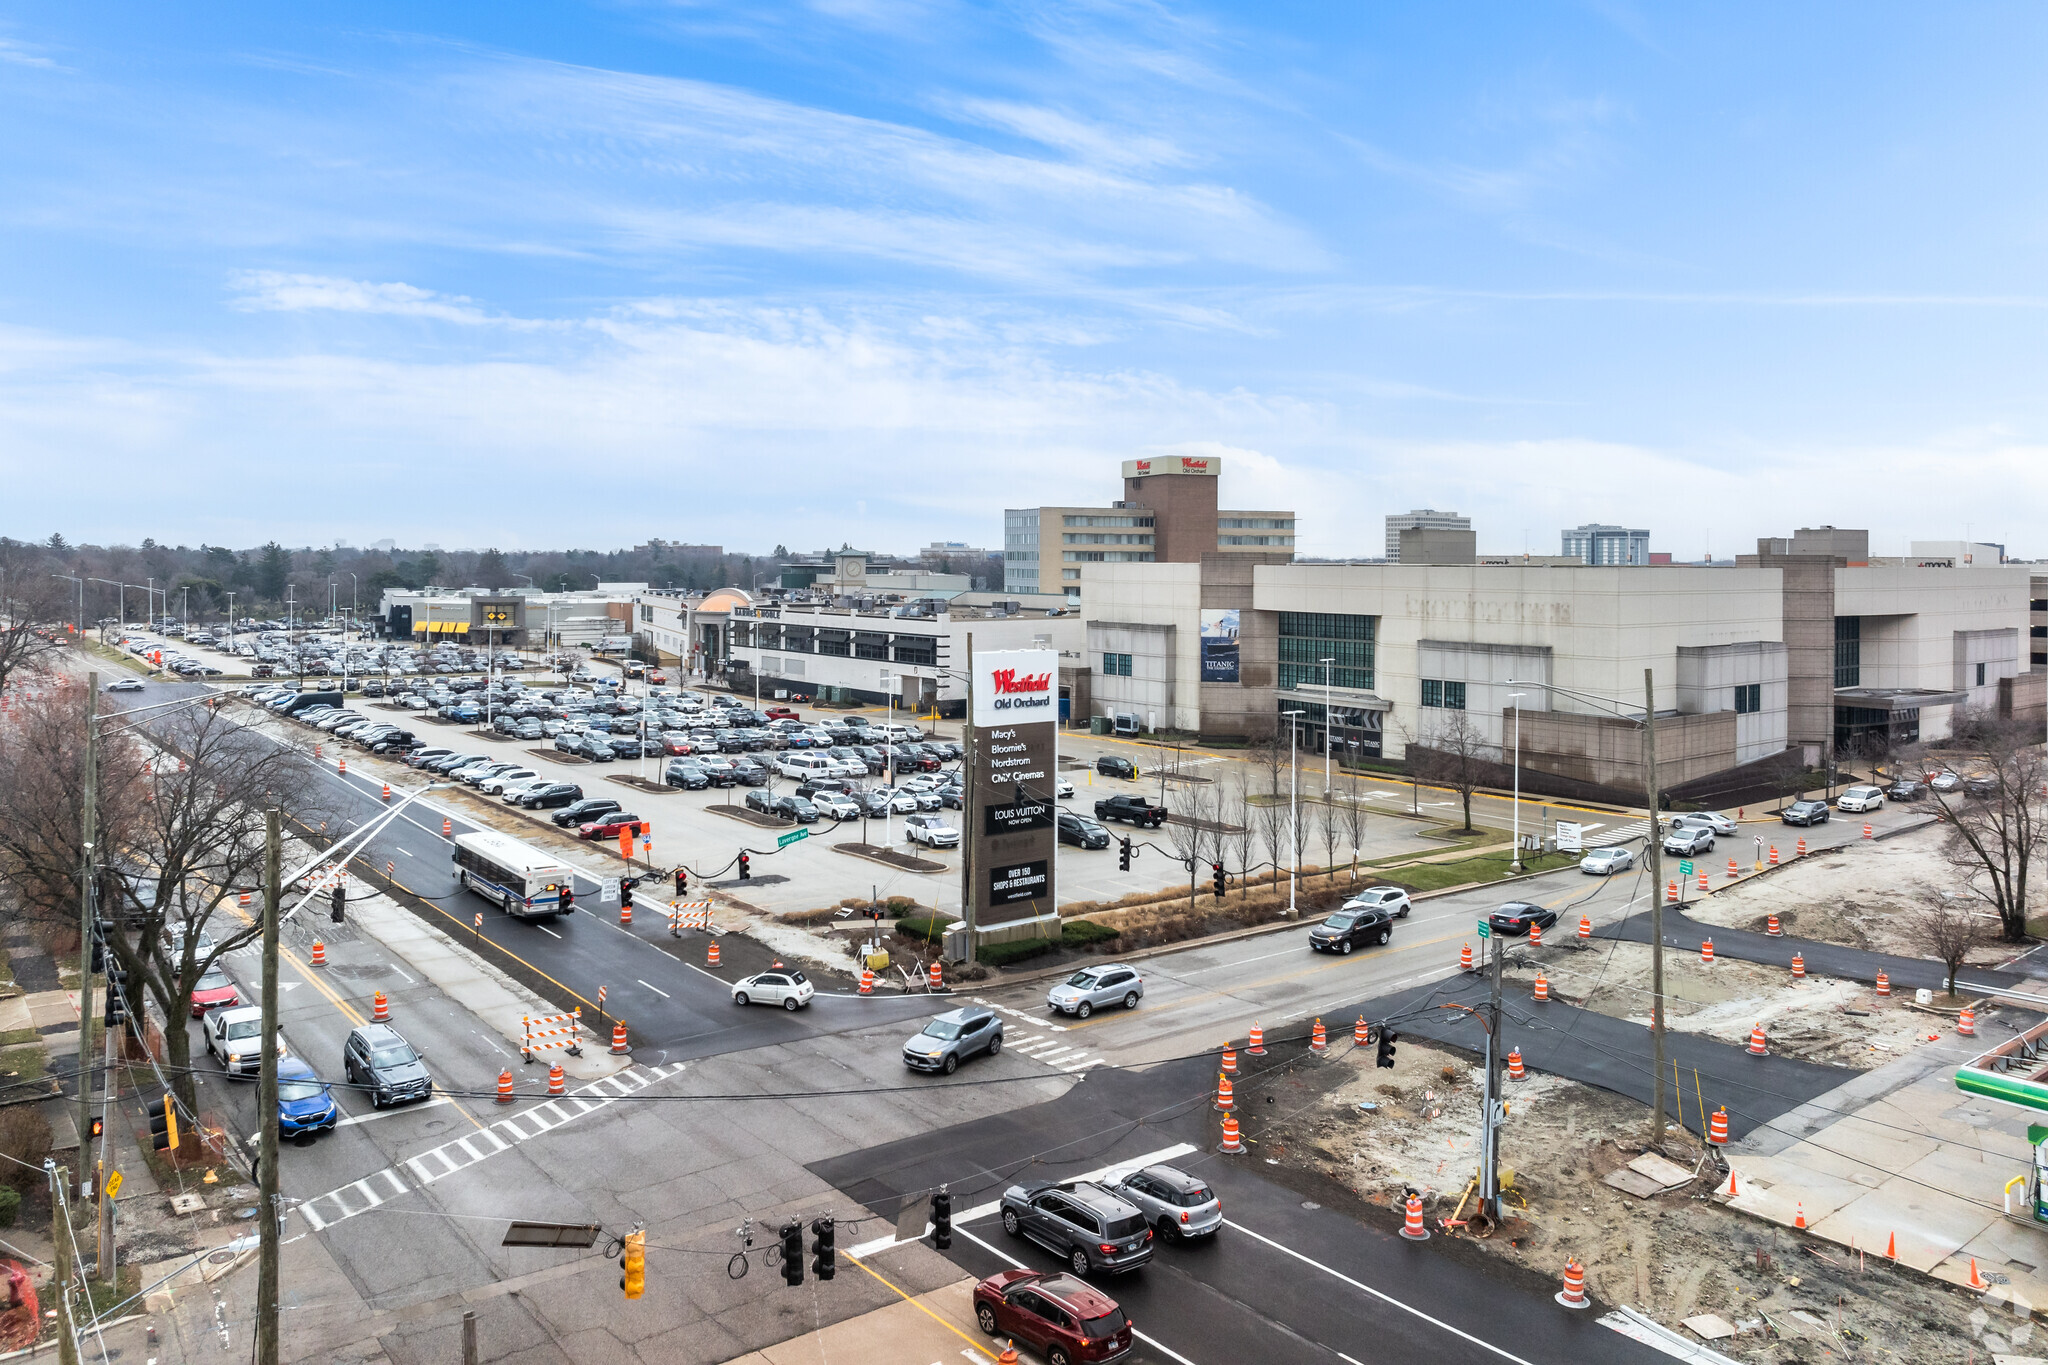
126, 685
1604, 862
780, 986
1707, 819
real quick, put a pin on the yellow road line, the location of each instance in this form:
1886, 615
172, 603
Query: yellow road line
920, 1307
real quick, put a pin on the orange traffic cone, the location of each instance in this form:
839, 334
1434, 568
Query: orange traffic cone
1771, 927
1884, 983
1411, 1226
619, 1046
1361, 1035
1798, 967
504, 1087
1229, 1060
556, 1083
1231, 1143
1891, 1247
1585, 926
1223, 1101
380, 1009
1799, 1221
1257, 1046
1717, 1127
711, 954
1319, 1042
1967, 1023
1756, 1041
1731, 1191
867, 981
1515, 1071
1542, 988
1707, 953
319, 953
1976, 1280
1774, 855
1535, 934
1464, 953
1573, 1295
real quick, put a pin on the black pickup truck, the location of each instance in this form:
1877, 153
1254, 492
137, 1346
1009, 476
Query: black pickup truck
1135, 809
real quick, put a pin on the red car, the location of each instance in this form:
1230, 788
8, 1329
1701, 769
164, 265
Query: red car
678, 747
213, 992
657, 677
1067, 1320
781, 713
608, 826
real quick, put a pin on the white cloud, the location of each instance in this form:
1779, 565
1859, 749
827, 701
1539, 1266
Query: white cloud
277, 292
18, 54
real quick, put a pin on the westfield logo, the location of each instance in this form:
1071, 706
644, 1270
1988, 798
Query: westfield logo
1007, 682
1197, 465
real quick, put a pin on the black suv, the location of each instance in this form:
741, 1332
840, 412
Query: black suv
554, 794
1083, 1224
1073, 829
1805, 813
1112, 766
377, 1057
685, 774
1352, 927
585, 811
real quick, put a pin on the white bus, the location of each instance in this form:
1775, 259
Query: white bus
523, 880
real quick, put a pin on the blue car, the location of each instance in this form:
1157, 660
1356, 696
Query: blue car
304, 1102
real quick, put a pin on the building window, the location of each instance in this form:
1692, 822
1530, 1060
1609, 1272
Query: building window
1749, 699
1848, 651
2038, 632
2038, 604
1448, 695
917, 650
646, 613
1980, 675
868, 644
1432, 692
1107, 521
1255, 540
1256, 523
1070, 573
1309, 637
837, 643
1116, 665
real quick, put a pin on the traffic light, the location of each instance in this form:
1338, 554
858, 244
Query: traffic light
625, 893
1385, 1056
682, 882
793, 1252
99, 1126
823, 1254
746, 866
1216, 873
117, 1010
568, 899
1123, 855
942, 1220
336, 902
163, 1125
633, 1265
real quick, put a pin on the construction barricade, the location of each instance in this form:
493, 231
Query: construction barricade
551, 1031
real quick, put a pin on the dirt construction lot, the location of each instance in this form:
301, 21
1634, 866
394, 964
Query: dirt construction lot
1675, 1255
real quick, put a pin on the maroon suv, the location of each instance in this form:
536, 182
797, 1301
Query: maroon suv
1067, 1320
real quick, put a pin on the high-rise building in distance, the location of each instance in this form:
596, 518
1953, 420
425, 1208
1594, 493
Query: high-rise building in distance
1421, 519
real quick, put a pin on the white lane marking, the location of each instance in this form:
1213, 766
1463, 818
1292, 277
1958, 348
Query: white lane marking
408, 980
1179, 1149
1072, 1066
656, 989
375, 1114
406, 851
545, 930
1380, 1294
1241, 962
1028, 1018
1151, 1341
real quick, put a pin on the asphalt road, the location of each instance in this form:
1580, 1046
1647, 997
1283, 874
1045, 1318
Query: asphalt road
1285, 1280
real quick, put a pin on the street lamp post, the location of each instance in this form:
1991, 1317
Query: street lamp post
1293, 807
1328, 724
1516, 697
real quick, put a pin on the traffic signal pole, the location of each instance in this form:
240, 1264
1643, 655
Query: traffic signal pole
87, 884
1489, 1167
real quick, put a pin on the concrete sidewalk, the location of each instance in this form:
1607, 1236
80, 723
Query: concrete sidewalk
938, 1326
1899, 1156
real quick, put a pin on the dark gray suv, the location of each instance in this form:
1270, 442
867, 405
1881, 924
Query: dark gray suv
377, 1058
1083, 1224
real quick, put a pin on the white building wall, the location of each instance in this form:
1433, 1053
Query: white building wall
1602, 626
1915, 614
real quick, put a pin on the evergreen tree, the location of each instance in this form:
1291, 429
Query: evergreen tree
273, 571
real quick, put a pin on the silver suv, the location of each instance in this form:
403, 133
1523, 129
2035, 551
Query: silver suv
1175, 1203
951, 1038
1091, 987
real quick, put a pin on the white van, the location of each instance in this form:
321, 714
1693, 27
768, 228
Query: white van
801, 765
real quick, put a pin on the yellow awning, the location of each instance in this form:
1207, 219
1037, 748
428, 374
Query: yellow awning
436, 627
459, 627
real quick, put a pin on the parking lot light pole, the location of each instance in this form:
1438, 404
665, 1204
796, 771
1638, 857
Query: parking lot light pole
889, 761
1327, 726
1516, 697
1293, 808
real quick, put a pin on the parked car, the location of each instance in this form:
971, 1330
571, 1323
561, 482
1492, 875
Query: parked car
1091, 988
1348, 928
552, 794
1137, 810
1906, 789
609, 826
377, 1058
583, 811
951, 1038
1178, 1205
931, 830
1111, 766
839, 806
1082, 1223
1605, 862
1805, 813
1074, 829
305, 1103
1066, 1320
1513, 919
688, 776
795, 808
1687, 840
1981, 787
1944, 781
790, 989
1859, 799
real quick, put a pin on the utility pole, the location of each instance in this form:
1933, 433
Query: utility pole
267, 1289
468, 1338
972, 763
1489, 1169
108, 1262
1656, 842
60, 1276
87, 877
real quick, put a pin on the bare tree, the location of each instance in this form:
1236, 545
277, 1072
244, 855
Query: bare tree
1272, 813
30, 634
1185, 834
1950, 932
180, 813
1993, 839
1330, 825
1352, 812
1456, 754
1239, 841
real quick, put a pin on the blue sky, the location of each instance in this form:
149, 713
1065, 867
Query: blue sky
541, 275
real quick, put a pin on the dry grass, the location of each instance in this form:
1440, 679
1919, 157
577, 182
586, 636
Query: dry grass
1145, 919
